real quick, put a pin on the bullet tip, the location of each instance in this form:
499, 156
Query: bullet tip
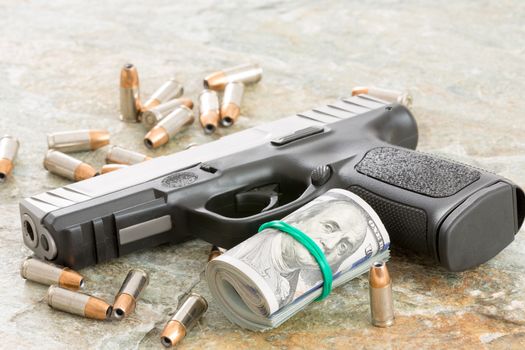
166, 342
118, 313
209, 128
226, 121
379, 276
172, 334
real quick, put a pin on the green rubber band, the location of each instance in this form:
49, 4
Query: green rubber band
311, 246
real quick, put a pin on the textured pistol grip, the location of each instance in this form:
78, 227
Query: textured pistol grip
460, 215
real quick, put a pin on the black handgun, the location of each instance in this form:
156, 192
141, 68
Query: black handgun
223, 191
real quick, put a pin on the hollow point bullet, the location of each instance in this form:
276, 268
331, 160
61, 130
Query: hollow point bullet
64, 165
192, 309
247, 74
387, 95
381, 301
154, 115
168, 91
214, 252
50, 274
78, 303
231, 103
129, 94
120, 155
209, 110
126, 300
107, 168
174, 122
8, 149
77, 140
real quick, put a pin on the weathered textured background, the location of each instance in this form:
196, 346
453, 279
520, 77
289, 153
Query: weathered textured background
464, 63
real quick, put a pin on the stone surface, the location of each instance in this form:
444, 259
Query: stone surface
464, 63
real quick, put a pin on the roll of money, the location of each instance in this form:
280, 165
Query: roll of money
268, 278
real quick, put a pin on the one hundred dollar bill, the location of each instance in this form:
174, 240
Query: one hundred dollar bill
266, 279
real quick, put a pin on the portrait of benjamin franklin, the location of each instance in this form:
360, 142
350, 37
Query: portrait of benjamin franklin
338, 226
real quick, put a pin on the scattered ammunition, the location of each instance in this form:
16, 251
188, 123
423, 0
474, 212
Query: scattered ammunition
64, 165
184, 319
78, 303
8, 149
46, 273
129, 94
209, 110
154, 115
214, 252
381, 303
246, 73
160, 134
125, 301
391, 96
78, 140
107, 168
120, 155
168, 91
231, 103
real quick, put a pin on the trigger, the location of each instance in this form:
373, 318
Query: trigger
259, 199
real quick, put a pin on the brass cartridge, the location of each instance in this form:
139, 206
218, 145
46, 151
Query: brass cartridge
49, 274
66, 166
154, 115
231, 103
381, 301
390, 96
214, 252
78, 303
8, 150
120, 155
129, 94
77, 140
126, 300
168, 91
192, 309
173, 123
246, 73
209, 110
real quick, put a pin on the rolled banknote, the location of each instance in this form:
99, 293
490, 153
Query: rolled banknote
266, 279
